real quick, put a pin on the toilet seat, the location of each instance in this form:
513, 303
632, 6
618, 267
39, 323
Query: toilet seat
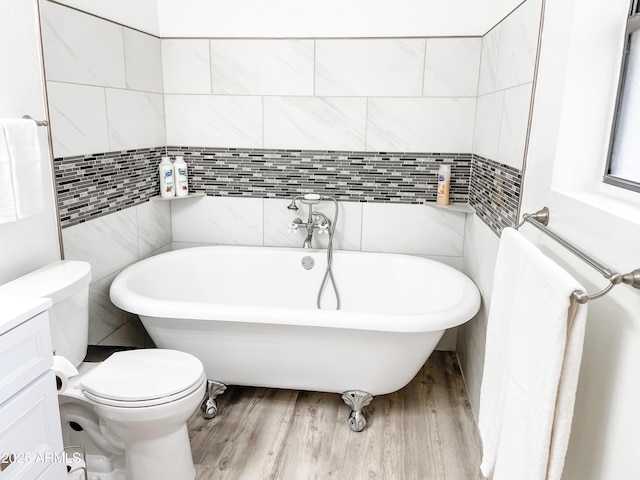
143, 378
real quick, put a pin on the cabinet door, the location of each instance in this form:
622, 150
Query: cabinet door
25, 354
30, 439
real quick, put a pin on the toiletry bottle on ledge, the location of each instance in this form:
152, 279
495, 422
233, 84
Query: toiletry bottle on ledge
180, 174
167, 183
444, 183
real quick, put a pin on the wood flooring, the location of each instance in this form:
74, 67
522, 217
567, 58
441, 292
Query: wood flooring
426, 431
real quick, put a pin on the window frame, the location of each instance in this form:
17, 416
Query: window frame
633, 24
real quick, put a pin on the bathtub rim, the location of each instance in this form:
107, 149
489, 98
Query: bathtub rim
441, 319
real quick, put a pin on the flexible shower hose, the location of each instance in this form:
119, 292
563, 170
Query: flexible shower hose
328, 274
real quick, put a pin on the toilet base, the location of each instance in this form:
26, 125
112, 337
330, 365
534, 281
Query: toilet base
171, 460
165, 458
101, 468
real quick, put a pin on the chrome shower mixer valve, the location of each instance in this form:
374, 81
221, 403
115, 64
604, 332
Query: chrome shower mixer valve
317, 221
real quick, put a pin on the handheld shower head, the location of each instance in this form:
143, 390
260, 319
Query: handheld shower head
311, 199
292, 205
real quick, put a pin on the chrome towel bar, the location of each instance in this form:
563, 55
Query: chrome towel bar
540, 220
40, 123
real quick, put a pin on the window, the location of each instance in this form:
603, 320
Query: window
623, 168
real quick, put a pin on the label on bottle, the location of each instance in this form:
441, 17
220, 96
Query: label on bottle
182, 179
442, 195
168, 180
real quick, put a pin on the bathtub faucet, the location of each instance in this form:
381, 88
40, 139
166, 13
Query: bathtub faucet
319, 221
316, 220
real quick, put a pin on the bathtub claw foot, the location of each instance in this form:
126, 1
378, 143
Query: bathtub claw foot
357, 400
209, 407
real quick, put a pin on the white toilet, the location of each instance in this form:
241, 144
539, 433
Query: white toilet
129, 412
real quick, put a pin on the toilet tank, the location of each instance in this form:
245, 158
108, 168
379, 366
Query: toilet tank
66, 283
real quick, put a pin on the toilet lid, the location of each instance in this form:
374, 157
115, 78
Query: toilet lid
143, 377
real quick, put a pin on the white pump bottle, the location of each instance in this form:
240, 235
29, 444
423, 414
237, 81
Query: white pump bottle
167, 183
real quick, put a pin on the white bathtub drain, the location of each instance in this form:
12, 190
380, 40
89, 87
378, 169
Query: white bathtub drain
308, 263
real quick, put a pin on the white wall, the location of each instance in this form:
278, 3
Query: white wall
505, 85
374, 94
104, 83
575, 98
574, 101
141, 14
32, 242
504, 97
291, 18
105, 94
111, 243
373, 227
330, 18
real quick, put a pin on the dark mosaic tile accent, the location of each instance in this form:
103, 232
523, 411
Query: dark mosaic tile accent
348, 176
495, 193
90, 186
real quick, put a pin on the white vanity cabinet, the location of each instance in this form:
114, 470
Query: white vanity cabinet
30, 434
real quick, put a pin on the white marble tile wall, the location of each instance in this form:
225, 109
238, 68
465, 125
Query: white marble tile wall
427, 124
414, 229
142, 56
504, 98
487, 125
372, 227
316, 123
218, 220
513, 127
273, 93
186, 66
375, 68
104, 84
257, 67
505, 86
208, 120
82, 49
481, 249
349, 94
78, 119
134, 119
452, 67
111, 243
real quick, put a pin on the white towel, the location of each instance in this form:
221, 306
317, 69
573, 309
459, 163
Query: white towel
534, 344
8, 212
20, 160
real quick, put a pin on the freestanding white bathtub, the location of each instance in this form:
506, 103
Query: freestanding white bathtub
249, 314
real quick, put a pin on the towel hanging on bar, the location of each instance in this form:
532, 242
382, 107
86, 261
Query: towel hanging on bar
21, 192
532, 359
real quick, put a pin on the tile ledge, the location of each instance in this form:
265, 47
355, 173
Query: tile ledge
454, 207
159, 198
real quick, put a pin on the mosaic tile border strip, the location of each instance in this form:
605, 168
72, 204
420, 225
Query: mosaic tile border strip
495, 193
94, 185
348, 176
90, 186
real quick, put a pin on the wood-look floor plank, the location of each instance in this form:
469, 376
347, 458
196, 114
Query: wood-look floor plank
425, 431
